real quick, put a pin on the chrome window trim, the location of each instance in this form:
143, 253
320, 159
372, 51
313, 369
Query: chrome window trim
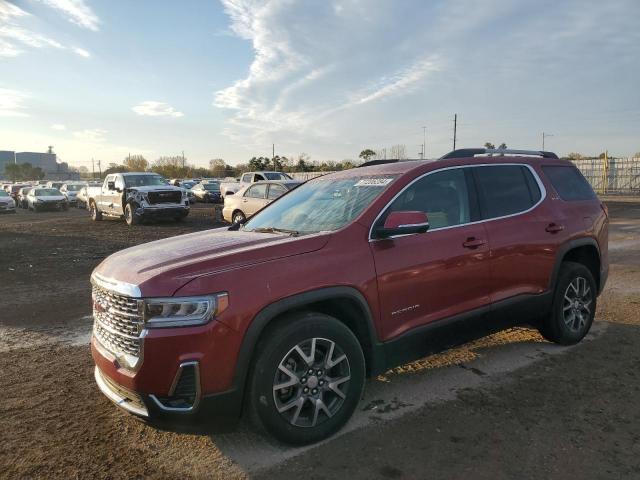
543, 195
116, 286
176, 379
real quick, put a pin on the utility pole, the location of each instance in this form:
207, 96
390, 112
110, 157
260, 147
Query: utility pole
545, 135
182, 158
93, 169
455, 129
273, 151
424, 143
100, 169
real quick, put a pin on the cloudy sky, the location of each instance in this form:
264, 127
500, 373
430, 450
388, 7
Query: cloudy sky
104, 78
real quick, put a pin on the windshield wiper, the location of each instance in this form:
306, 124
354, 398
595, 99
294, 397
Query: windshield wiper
293, 233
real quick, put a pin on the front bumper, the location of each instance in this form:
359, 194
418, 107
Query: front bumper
161, 211
156, 390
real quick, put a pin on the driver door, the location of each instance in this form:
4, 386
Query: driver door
435, 275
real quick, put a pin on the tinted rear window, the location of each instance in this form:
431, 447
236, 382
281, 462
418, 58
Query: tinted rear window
506, 189
569, 183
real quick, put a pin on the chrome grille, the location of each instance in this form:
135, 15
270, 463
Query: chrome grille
117, 321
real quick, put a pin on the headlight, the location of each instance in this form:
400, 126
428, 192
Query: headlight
183, 311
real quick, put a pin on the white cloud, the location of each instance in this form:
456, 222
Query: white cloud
81, 51
9, 10
76, 11
58, 126
13, 33
156, 109
92, 135
322, 68
12, 103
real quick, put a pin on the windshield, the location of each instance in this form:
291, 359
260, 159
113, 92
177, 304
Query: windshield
323, 204
187, 184
3, 193
143, 180
277, 176
211, 186
73, 188
46, 192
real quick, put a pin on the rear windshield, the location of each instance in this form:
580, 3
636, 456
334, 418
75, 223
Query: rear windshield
73, 188
277, 176
211, 186
569, 182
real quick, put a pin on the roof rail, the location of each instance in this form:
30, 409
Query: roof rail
377, 162
471, 152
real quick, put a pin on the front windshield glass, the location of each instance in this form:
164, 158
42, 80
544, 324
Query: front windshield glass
187, 184
143, 180
46, 192
56, 185
277, 176
211, 186
322, 204
73, 188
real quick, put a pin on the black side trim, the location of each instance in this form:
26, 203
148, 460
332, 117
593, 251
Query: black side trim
453, 331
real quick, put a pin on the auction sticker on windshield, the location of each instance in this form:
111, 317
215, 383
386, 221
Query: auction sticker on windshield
373, 182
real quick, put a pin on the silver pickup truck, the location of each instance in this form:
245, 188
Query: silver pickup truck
229, 188
135, 196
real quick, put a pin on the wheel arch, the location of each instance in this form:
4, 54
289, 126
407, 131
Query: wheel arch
344, 303
584, 251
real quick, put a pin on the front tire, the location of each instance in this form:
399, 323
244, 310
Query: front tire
96, 215
307, 378
130, 215
574, 305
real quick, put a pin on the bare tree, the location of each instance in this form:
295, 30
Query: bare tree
398, 152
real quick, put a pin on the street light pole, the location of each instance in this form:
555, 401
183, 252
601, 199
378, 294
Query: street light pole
545, 135
424, 142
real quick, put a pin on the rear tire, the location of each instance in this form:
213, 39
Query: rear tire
96, 215
319, 364
574, 305
238, 217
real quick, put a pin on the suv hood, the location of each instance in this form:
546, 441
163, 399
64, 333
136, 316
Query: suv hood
162, 267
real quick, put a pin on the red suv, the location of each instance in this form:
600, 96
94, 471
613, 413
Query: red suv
283, 317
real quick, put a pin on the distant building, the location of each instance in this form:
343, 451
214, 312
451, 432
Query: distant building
48, 162
6, 157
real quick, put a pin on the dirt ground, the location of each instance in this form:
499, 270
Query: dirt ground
510, 406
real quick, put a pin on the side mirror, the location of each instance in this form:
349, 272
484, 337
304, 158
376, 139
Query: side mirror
403, 223
111, 185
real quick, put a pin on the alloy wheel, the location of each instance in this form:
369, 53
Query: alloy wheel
577, 303
311, 382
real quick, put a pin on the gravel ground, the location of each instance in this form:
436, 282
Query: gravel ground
510, 406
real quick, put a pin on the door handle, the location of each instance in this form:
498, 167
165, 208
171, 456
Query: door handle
554, 228
473, 242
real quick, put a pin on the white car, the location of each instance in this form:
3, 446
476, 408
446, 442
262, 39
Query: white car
70, 190
46, 199
6, 202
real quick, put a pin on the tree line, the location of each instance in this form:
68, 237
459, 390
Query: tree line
23, 171
179, 167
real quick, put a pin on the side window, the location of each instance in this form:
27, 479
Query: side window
257, 191
276, 191
443, 196
109, 178
569, 183
246, 178
258, 178
119, 182
505, 190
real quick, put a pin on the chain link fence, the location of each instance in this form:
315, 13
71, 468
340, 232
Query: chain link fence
612, 176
